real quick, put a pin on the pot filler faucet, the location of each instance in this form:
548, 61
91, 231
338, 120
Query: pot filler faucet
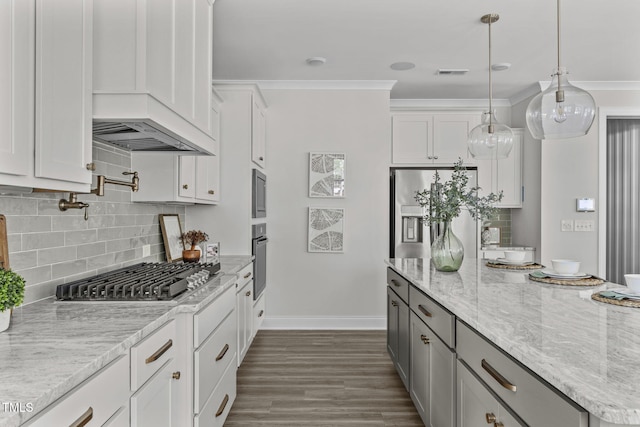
73, 202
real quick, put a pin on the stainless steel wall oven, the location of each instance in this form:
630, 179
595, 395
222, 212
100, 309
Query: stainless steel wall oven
259, 251
258, 194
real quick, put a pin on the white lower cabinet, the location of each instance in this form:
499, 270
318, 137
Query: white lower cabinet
432, 376
152, 406
96, 400
258, 313
476, 406
244, 306
119, 419
217, 407
398, 334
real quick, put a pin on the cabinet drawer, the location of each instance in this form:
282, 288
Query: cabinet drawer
99, 397
207, 320
245, 275
217, 408
399, 284
536, 403
437, 318
258, 313
211, 359
151, 353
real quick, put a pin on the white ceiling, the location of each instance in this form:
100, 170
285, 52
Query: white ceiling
271, 39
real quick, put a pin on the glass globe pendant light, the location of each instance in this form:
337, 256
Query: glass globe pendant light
563, 110
490, 139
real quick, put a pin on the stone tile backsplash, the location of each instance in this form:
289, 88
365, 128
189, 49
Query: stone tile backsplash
502, 220
49, 247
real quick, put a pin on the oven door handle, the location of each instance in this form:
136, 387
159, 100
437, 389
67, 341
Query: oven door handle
261, 241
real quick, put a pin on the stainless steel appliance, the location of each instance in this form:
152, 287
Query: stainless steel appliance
258, 194
409, 236
259, 251
140, 282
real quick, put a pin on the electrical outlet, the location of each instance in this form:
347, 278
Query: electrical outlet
584, 225
567, 225
146, 250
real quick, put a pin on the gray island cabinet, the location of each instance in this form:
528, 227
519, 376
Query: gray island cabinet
486, 346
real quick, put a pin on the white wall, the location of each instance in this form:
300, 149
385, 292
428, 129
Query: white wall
317, 290
570, 170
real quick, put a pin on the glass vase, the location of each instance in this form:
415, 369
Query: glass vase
447, 251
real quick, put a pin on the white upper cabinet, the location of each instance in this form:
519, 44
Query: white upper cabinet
153, 60
504, 175
45, 89
431, 137
258, 132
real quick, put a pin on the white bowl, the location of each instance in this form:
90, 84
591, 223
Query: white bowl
514, 255
565, 266
632, 281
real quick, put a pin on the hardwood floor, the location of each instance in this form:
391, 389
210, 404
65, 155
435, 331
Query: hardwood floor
320, 378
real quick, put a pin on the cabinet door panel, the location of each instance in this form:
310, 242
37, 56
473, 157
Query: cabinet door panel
63, 90
184, 58
403, 343
450, 134
412, 138
258, 138
160, 38
474, 401
203, 62
152, 405
392, 324
420, 366
442, 390
207, 171
187, 177
509, 174
17, 53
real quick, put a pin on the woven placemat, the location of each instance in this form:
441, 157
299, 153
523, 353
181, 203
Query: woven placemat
620, 302
514, 267
587, 281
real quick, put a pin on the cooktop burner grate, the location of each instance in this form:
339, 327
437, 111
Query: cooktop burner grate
139, 282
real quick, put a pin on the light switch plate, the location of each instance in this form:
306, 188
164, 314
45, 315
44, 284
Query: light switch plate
584, 225
567, 225
146, 250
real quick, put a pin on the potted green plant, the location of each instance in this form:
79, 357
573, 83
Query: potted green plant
444, 202
11, 295
192, 238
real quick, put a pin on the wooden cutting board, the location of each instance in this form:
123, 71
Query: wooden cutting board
4, 247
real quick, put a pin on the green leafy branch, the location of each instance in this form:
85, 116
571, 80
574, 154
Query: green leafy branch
11, 289
448, 199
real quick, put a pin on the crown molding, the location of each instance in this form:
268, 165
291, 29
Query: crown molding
446, 104
326, 84
596, 85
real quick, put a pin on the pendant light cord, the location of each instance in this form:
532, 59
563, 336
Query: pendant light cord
559, 92
490, 81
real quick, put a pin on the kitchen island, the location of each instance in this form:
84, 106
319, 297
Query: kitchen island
52, 347
586, 350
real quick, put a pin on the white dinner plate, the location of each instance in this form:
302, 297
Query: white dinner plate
510, 262
555, 275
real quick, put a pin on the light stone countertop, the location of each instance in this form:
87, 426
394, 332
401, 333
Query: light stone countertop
52, 346
588, 350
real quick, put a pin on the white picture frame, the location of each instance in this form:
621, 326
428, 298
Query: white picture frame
212, 252
327, 173
171, 236
326, 230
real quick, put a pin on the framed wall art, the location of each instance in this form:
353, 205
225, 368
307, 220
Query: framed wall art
327, 174
212, 253
326, 230
171, 236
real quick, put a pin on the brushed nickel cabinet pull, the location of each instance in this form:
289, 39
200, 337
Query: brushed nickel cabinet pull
261, 158
91, 166
261, 313
435, 157
222, 352
222, 405
395, 283
186, 186
424, 311
158, 354
491, 418
84, 418
394, 303
424, 339
246, 276
498, 424
496, 376
248, 293
176, 375
211, 192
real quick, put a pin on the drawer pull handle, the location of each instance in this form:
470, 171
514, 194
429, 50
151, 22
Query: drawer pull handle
248, 293
223, 352
424, 339
498, 424
158, 354
261, 313
246, 276
222, 405
395, 283
176, 375
496, 376
424, 311
394, 303
491, 418
84, 418
186, 186
211, 192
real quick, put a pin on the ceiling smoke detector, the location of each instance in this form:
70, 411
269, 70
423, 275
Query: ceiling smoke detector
452, 71
315, 61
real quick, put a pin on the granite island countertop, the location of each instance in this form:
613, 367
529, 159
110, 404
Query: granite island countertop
52, 346
587, 350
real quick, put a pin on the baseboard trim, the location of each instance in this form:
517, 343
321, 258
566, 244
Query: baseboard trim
326, 323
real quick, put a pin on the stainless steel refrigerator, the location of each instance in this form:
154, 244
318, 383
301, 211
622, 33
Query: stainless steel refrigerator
410, 237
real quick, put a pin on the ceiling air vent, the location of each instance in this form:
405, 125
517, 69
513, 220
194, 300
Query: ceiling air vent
452, 71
